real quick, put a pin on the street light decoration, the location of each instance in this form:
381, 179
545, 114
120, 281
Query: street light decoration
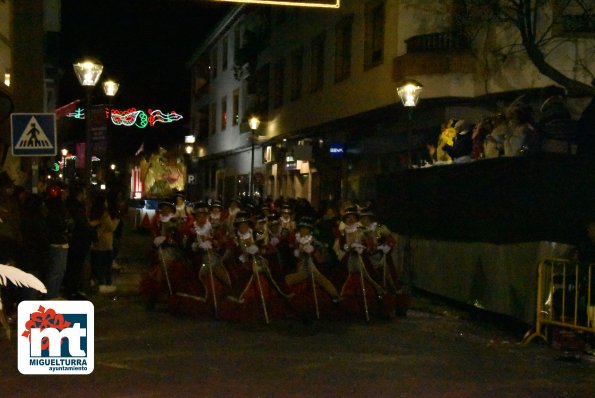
88, 72
254, 122
409, 92
110, 88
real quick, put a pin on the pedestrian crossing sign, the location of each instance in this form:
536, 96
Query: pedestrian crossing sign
33, 134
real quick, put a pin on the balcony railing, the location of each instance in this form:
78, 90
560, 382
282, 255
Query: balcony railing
578, 23
437, 42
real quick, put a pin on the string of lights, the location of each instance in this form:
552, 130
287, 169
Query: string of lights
133, 117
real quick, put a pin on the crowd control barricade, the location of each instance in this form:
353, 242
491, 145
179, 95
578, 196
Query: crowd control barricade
565, 297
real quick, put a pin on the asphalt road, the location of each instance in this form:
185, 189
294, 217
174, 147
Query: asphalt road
141, 353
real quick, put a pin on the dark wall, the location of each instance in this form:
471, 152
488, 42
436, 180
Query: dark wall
547, 197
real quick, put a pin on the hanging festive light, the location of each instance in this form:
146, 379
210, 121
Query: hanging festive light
129, 117
134, 117
79, 113
158, 116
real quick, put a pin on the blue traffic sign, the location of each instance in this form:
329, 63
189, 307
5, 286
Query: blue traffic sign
33, 134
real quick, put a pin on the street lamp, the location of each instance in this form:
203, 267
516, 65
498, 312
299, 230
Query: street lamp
110, 89
88, 73
64, 153
409, 92
254, 122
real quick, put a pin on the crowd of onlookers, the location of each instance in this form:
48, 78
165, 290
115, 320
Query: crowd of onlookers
50, 233
522, 129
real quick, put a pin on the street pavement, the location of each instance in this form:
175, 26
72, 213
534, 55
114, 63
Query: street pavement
433, 352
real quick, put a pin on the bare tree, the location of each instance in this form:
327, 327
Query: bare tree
542, 26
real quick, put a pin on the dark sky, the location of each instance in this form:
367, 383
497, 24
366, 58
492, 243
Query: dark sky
143, 44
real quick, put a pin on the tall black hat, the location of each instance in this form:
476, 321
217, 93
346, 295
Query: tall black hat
367, 212
241, 217
351, 211
216, 203
166, 205
306, 222
200, 207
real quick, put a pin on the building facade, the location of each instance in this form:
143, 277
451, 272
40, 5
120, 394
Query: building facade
6, 66
323, 84
29, 48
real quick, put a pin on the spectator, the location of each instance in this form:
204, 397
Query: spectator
102, 248
521, 137
36, 241
83, 234
480, 132
60, 226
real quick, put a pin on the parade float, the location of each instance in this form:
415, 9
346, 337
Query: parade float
475, 232
156, 177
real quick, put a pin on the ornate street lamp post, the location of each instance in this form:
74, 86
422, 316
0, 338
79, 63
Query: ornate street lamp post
409, 92
64, 153
88, 73
110, 89
254, 122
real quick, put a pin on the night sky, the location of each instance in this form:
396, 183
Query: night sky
144, 45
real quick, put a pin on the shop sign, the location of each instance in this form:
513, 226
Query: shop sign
337, 151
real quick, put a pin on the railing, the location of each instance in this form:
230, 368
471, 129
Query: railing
565, 292
584, 23
441, 42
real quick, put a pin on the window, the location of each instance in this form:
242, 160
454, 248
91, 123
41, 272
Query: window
212, 117
574, 19
317, 63
237, 39
373, 34
297, 71
204, 124
278, 80
261, 91
236, 107
343, 49
224, 51
213, 63
223, 113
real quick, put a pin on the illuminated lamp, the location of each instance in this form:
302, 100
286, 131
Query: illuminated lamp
110, 88
313, 4
189, 139
253, 122
409, 91
88, 73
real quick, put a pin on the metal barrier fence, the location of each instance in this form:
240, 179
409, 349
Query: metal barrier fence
565, 297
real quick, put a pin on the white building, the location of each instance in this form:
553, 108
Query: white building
322, 82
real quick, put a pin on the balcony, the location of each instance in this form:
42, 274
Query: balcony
435, 54
437, 42
582, 25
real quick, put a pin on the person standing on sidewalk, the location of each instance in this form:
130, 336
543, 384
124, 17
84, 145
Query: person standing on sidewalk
59, 224
83, 234
102, 248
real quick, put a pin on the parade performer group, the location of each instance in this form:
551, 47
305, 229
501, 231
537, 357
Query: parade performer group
241, 264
